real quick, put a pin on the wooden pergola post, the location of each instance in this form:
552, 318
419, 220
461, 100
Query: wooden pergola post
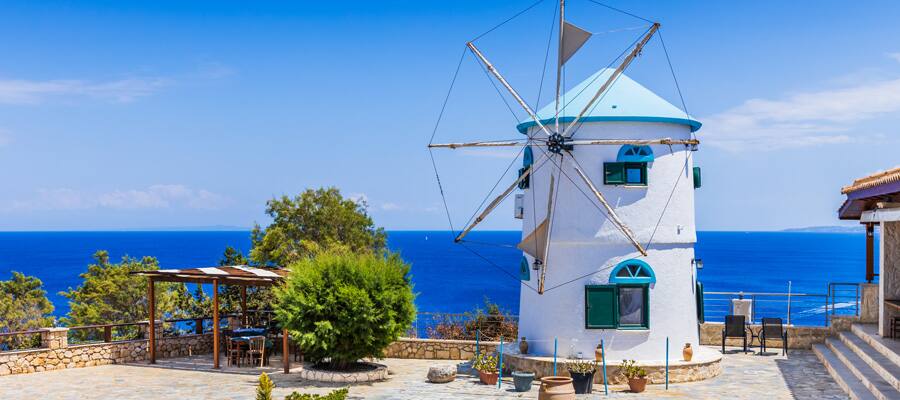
285, 351
244, 320
151, 300
870, 252
216, 323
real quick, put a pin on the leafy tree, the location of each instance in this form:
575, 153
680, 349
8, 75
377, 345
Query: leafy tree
23, 306
342, 306
312, 221
110, 294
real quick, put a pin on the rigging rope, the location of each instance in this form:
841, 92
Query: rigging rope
499, 268
675, 78
687, 157
621, 11
507, 20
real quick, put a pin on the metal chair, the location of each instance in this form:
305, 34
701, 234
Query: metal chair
772, 328
735, 326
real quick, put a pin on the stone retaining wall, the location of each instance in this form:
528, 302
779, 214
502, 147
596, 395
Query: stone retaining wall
799, 337
57, 354
437, 349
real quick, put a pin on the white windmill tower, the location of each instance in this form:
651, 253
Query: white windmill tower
607, 208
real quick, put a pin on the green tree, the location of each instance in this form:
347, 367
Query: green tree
342, 306
23, 306
110, 294
312, 221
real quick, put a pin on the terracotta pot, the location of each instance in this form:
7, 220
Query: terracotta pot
688, 352
598, 354
523, 346
637, 385
488, 378
556, 388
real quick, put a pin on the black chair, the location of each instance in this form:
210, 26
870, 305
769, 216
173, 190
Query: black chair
895, 326
772, 328
735, 326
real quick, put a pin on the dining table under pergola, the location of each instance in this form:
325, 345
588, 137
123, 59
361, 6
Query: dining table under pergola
235, 275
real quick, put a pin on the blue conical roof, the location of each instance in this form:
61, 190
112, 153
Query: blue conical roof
625, 100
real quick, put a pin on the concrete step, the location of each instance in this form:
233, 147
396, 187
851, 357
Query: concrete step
844, 378
889, 348
863, 372
882, 365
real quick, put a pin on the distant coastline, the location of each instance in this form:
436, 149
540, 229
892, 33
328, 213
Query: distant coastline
828, 229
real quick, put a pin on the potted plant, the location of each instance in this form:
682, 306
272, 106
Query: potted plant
637, 376
522, 380
488, 370
582, 373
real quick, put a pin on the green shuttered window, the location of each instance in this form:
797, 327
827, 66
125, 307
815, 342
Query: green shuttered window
622, 306
601, 306
625, 173
697, 180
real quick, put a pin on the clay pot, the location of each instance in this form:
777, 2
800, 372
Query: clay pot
637, 385
687, 352
522, 380
598, 355
523, 346
488, 378
556, 388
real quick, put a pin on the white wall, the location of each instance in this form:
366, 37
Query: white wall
584, 242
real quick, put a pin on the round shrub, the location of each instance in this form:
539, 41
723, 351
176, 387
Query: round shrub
341, 307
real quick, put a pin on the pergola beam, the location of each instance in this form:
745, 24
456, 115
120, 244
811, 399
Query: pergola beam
215, 323
151, 300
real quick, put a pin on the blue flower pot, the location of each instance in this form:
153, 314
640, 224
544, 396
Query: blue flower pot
522, 380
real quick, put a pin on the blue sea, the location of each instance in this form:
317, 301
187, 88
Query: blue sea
449, 277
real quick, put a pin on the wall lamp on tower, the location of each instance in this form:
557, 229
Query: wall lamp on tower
697, 263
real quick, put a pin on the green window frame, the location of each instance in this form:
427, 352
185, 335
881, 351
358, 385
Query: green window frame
697, 181
617, 173
602, 307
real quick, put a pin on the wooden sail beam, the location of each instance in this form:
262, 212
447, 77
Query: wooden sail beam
494, 204
476, 144
508, 87
613, 142
612, 214
667, 141
612, 78
547, 241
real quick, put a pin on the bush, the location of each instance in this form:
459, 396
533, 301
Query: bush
264, 389
492, 322
341, 307
339, 394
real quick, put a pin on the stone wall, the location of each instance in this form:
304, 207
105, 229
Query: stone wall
799, 337
57, 354
436, 349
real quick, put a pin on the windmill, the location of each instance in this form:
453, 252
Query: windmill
556, 139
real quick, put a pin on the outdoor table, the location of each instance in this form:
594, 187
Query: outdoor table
249, 332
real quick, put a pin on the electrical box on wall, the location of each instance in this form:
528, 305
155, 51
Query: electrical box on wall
520, 206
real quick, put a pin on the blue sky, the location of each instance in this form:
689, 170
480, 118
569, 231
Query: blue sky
164, 114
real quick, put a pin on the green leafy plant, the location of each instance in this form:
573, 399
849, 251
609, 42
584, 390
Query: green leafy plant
581, 366
632, 371
339, 394
491, 321
485, 362
23, 306
310, 222
341, 307
264, 388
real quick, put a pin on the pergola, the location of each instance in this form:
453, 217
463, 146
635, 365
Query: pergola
237, 275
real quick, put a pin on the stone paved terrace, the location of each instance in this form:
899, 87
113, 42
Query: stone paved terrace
799, 376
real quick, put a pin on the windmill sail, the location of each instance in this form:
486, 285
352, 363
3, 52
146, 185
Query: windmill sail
535, 244
573, 38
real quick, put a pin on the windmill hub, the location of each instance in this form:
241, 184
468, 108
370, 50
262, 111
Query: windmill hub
557, 143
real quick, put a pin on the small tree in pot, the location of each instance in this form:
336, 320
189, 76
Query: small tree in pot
582, 373
637, 376
487, 367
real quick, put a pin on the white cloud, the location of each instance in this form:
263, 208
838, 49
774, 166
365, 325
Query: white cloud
802, 119
895, 56
155, 196
391, 207
358, 197
19, 91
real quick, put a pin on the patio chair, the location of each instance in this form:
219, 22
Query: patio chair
234, 351
772, 328
735, 326
257, 349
